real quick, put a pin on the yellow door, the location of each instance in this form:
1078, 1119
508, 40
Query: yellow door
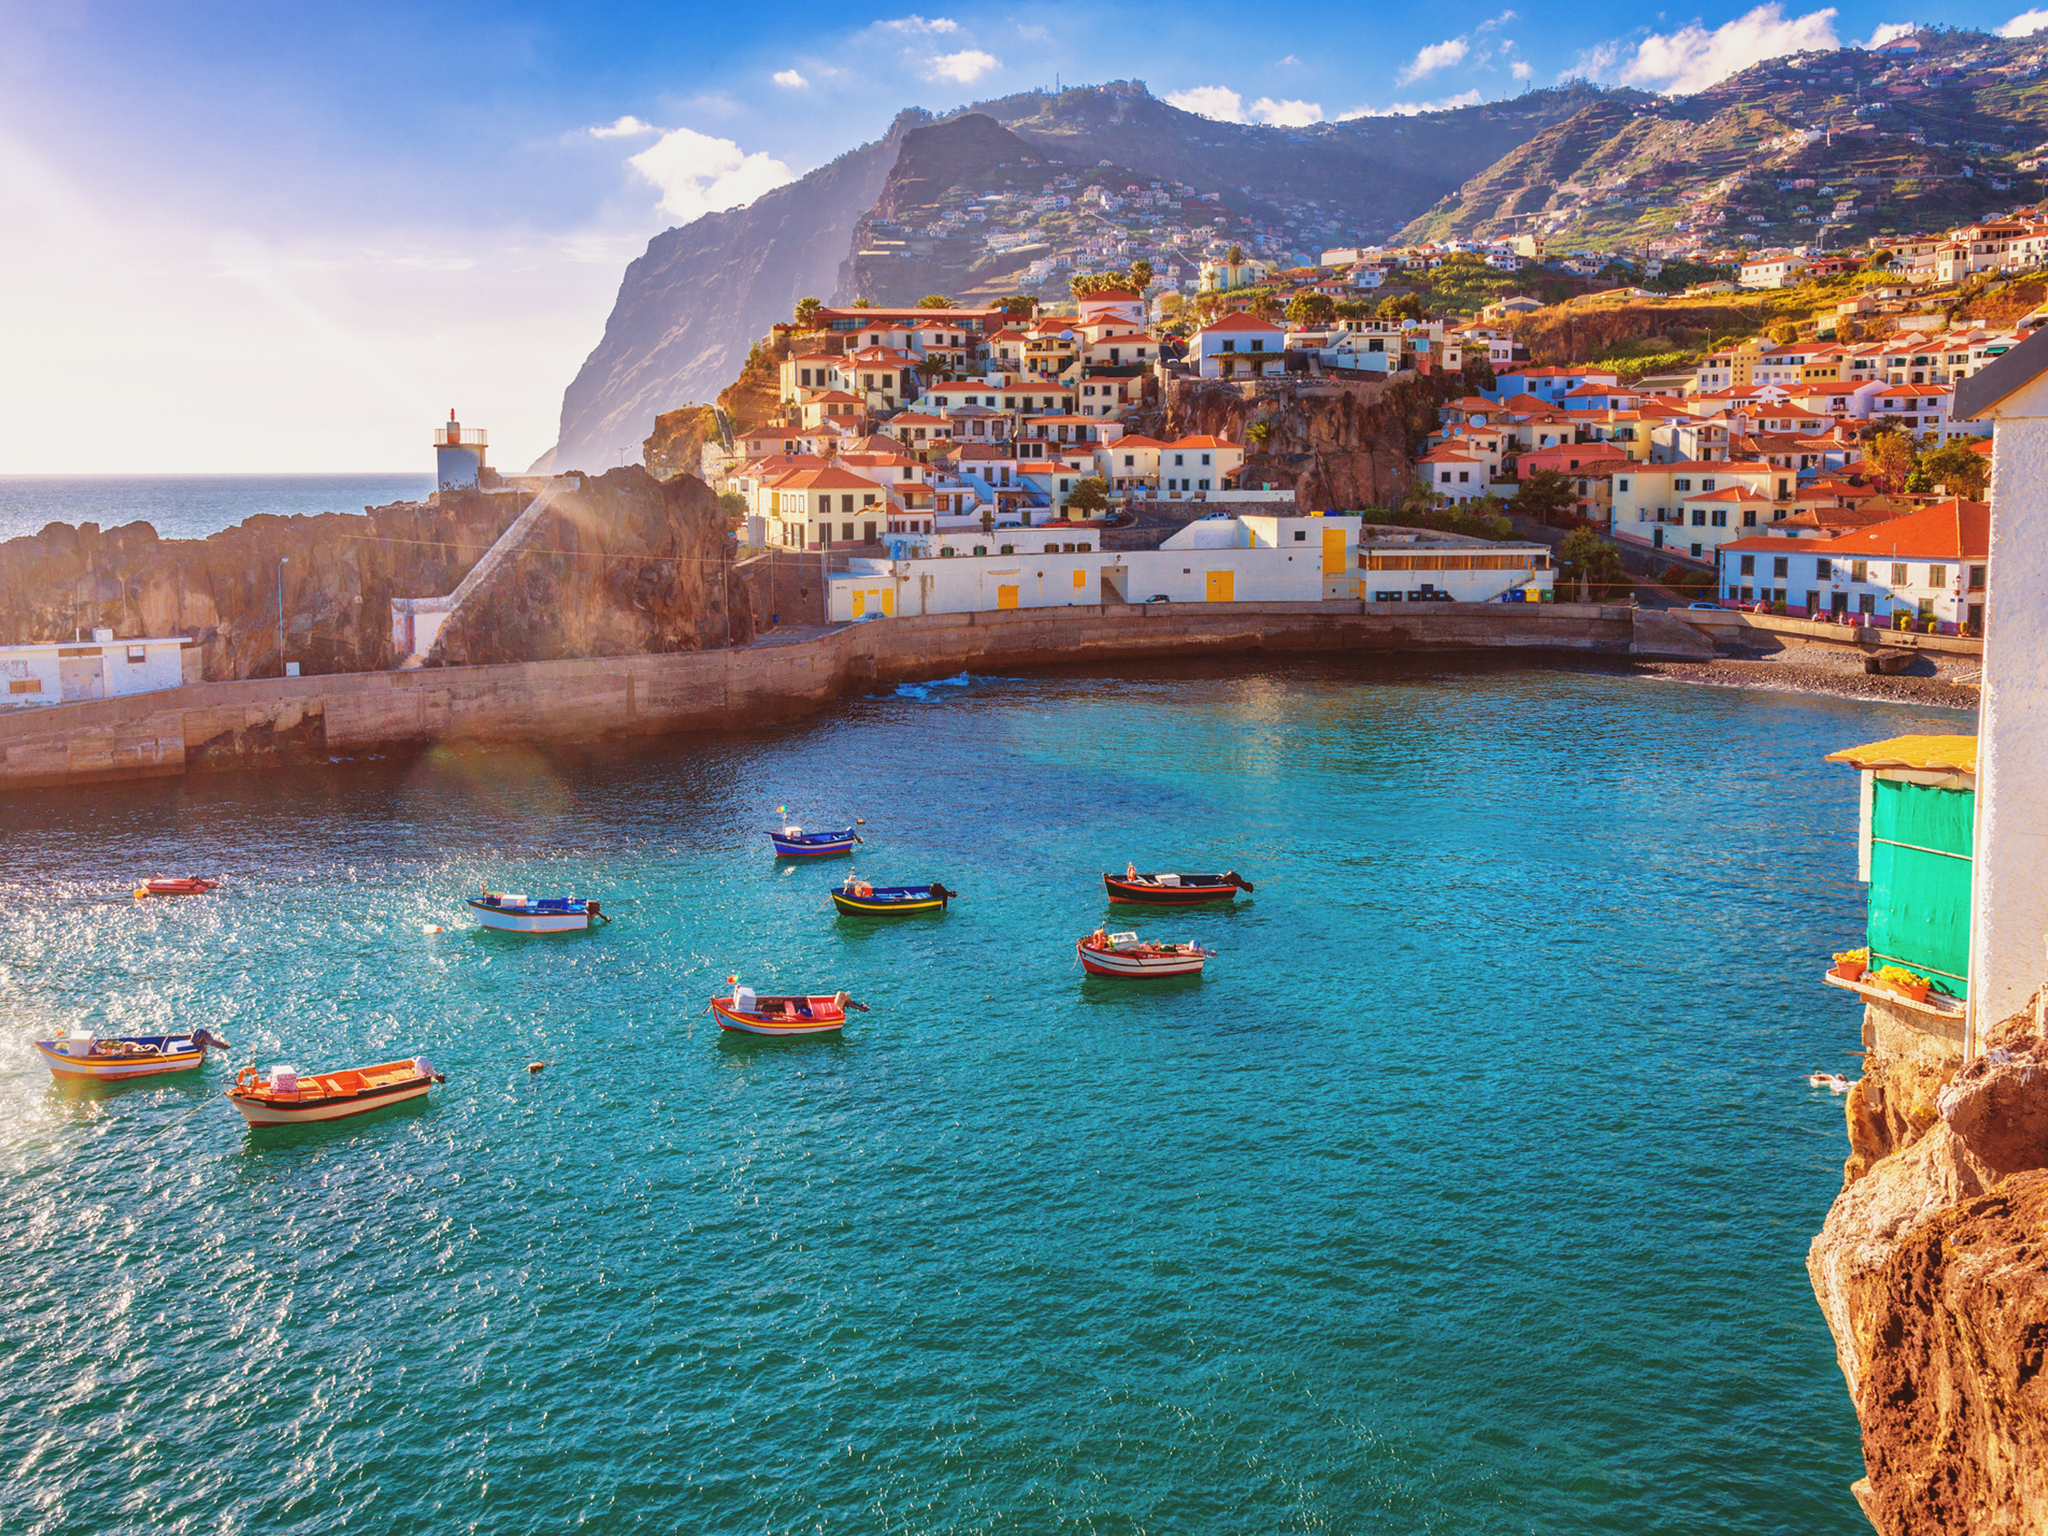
1006, 597
1333, 551
1222, 584
860, 602
888, 597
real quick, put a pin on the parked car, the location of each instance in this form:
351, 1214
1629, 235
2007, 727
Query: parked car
1158, 597
1710, 607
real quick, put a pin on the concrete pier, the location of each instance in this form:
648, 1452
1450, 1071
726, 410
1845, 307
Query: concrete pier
215, 727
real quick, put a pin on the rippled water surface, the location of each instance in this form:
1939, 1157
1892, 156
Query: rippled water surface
190, 506
1468, 1192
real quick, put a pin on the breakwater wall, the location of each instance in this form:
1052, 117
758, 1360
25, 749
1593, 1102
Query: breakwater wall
265, 722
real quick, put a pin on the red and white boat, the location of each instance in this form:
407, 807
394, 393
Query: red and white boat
190, 887
285, 1098
782, 1017
1124, 954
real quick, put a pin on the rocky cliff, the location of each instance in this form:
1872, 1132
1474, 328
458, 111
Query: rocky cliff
1932, 1269
690, 308
626, 565
1336, 443
638, 550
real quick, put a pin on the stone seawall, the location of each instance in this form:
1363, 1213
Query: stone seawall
255, 723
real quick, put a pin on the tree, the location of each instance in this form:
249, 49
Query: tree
930, 369
1237, 256
1018, 306
1957, 470
1141, 275
1405, 306
1890, 460
1545, 496
988, 519
732, 504
1089, 497
1311, 309
1586, 557
807, 313
1784, 333
1258, 433
863, 304
935, 301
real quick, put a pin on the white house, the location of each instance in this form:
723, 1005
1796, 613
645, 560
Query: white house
105, 668
1929, 567
1239, 345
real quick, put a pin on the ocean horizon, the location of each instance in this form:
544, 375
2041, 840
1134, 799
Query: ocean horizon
193, 506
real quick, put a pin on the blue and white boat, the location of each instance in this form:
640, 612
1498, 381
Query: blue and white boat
84, 1057
510, 913
796, 843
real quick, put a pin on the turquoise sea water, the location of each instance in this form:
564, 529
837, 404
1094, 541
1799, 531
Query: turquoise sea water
1468, 1192
190, 506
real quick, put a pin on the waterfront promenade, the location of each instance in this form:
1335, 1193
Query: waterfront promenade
258, 722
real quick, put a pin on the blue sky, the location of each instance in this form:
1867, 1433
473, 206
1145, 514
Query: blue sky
275, 237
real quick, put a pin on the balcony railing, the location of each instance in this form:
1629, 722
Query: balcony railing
461, 437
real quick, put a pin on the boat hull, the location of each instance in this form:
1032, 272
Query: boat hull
876, 906
1103, 962
1167, 895
772, 1028
175, 887
118, 1069
512, 920
824, 846
266, 1112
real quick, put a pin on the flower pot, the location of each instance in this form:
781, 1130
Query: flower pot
1916, 993
1850, 970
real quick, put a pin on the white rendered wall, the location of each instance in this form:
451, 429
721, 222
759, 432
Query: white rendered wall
2009, 907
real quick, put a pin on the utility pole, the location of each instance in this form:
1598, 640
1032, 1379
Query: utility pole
281, 564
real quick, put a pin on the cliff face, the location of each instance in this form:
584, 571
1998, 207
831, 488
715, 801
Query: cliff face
689, 309
639, 550
1932, 1269
626, 566
1339, 444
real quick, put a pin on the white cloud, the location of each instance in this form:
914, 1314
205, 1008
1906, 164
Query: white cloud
1692, 58
1436, 56
1470, 98
1218, 102
1291, 59
790, 78
1889, 30
1498, 21
2026, 24
1521, 69
624, 128
698, 174
1286, 114
964, 67
917, 26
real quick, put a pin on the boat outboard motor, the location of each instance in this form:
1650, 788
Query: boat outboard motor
205, 1039
1238, 880
941, 893
424, 1068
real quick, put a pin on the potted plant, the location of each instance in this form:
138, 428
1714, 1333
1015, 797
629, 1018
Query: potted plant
1902, 981
1850, 964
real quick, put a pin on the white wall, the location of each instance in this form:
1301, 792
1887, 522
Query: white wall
162, 666
971, 583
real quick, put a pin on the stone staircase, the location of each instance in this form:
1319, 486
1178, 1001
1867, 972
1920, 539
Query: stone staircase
429, 615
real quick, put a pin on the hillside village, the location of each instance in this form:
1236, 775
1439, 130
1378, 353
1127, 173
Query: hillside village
1694, 402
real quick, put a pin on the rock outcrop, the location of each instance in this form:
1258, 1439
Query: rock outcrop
1932, 1270
625, 566
1336, 443
646, 577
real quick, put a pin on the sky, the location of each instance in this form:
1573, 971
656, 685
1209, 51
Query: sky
275, 238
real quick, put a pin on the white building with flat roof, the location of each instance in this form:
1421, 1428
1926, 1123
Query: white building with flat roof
102, 668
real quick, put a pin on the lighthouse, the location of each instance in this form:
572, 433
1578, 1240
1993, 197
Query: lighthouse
459, 456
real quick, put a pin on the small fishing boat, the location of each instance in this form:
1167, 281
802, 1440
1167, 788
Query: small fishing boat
796, 843
857, 898
1124, 954
510, 913
282, 1097
84, 1057
777, 1017
1834, 1082
1174, 890
190, 887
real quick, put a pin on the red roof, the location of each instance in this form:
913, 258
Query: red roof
1948, 530
1242, 321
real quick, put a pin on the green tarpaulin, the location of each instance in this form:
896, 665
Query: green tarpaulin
1920, 880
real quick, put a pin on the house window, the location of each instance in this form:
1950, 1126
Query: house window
1720, 517
1749, 519
1621, 485
1681, 485
1749, 565
1699, 517
846, 505
1781, 566
1300, 536
1899, 577
1823, 570
1706, 485
138, 653
1937, 577
1230, 346
845, 531
1976, 578
30, 685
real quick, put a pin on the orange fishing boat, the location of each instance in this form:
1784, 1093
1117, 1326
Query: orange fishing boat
282, 1097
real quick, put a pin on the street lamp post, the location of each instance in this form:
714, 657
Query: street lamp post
281, 564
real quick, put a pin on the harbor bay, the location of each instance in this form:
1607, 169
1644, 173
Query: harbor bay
1469, 1187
